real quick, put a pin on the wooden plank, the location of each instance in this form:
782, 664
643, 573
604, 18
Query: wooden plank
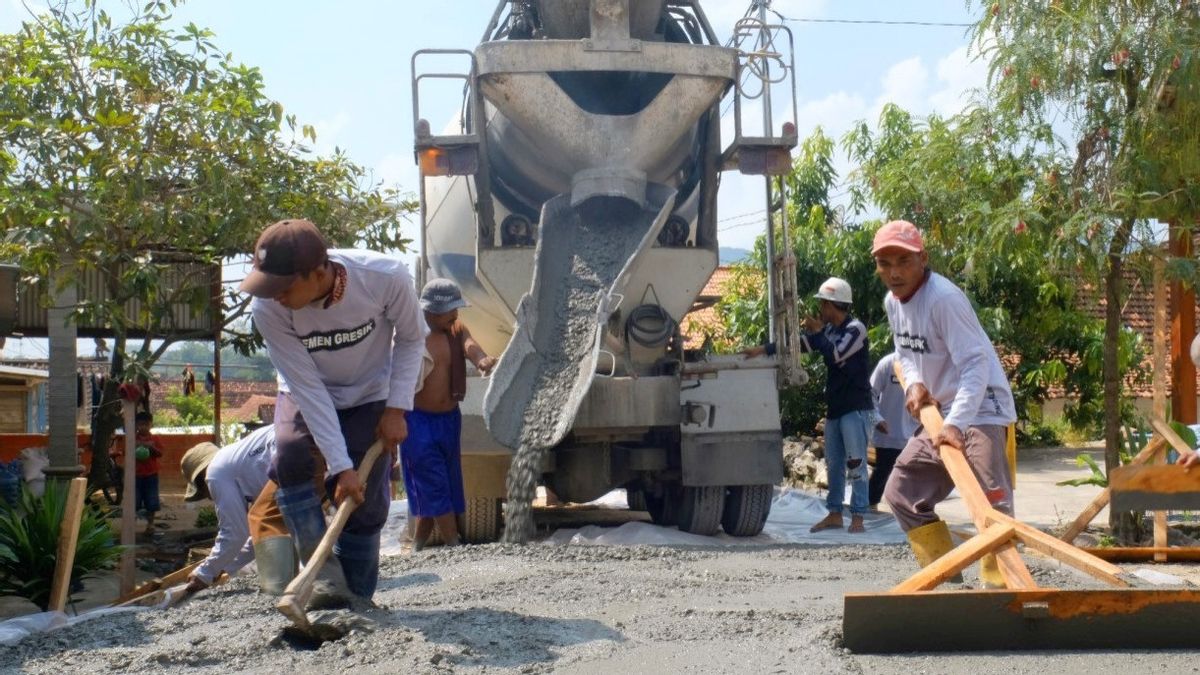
178, 576
1020, 620
1156, 444
1168, 433
1159, 376
1065, 553
1016, 574
68, 537
953, 562
1145, 553
1141, 488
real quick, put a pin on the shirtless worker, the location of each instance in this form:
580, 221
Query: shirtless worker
431, 455
344, 330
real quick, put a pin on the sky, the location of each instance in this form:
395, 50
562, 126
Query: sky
343, 67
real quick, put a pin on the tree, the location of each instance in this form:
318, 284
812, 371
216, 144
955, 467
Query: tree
986, 192
126, 145
1114, 86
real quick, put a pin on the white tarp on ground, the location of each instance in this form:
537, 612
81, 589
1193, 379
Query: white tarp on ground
13, 631
792, 513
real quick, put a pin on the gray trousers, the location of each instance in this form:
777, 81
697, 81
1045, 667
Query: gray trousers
919, 480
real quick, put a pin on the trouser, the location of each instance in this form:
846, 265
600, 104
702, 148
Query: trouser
265, 518
919, 479
885, 459
295, 468
846, 460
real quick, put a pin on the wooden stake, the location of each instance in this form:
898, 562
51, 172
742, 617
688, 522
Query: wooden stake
128, 512
959, 557
1160, 383
68, 537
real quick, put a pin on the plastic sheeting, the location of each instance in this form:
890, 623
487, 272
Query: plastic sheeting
13, 631
793, 512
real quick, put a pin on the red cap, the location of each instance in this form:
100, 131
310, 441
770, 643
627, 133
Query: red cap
898, 234
284, 251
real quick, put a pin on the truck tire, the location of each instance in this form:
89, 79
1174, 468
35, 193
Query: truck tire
746, 509
481, 523
663, 509
700, 509
636, 499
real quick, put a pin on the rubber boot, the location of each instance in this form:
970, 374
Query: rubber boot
930, 542
989, 572
359, 556
275, 558
306, 521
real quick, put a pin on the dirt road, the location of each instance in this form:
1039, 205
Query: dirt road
572, 609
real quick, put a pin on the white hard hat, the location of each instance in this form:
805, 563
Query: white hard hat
835, 290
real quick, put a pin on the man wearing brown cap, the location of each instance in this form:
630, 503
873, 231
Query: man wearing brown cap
948, 361
345, 332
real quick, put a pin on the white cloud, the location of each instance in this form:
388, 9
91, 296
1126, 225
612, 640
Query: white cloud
904, 84
958, 75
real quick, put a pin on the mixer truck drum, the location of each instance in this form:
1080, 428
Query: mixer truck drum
649, 326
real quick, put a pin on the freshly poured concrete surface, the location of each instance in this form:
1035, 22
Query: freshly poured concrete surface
582, 609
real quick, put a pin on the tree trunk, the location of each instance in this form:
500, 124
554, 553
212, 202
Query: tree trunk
108, 420
1125, 527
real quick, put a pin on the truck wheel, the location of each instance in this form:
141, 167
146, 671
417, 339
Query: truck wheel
663, 509
700, 508
746, 509
636, 499
481, 522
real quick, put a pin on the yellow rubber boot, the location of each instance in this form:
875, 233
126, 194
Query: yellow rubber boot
930, 542
989, 572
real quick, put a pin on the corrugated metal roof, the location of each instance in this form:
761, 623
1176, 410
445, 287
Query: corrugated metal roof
29, 373
189, 280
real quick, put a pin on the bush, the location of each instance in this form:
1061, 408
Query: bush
29, 544
206, 517
193, 410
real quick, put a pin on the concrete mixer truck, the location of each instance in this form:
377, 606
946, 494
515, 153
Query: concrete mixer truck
573, 200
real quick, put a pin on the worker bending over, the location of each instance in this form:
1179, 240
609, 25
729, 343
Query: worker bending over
345, 332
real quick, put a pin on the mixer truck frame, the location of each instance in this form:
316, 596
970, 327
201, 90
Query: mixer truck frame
573, 200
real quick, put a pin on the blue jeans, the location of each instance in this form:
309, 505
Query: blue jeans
846, 460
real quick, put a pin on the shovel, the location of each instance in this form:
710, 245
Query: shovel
295, 597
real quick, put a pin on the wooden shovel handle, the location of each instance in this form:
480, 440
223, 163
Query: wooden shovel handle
301, 587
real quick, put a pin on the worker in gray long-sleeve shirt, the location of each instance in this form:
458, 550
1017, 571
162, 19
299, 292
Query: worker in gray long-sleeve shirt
232, 477
346, 333
893, 428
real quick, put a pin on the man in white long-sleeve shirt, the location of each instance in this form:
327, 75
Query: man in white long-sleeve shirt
232, 477
949, 361
345, 331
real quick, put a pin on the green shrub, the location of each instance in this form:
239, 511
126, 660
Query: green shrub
29, 544
192, 410
206, 517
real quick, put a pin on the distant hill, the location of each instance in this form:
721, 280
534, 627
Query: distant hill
730, 255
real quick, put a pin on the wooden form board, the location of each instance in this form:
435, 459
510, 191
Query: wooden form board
934, 621
1162, 486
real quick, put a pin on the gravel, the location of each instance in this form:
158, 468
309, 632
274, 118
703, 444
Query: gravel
504, 608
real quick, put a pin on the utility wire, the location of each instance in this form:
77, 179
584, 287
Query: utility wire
874, 22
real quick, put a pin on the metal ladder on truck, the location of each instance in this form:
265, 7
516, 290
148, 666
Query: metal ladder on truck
766, 63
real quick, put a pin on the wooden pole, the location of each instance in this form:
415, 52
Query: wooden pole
128, 513
1160, 384
218, 318
68, 537
1183, 331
